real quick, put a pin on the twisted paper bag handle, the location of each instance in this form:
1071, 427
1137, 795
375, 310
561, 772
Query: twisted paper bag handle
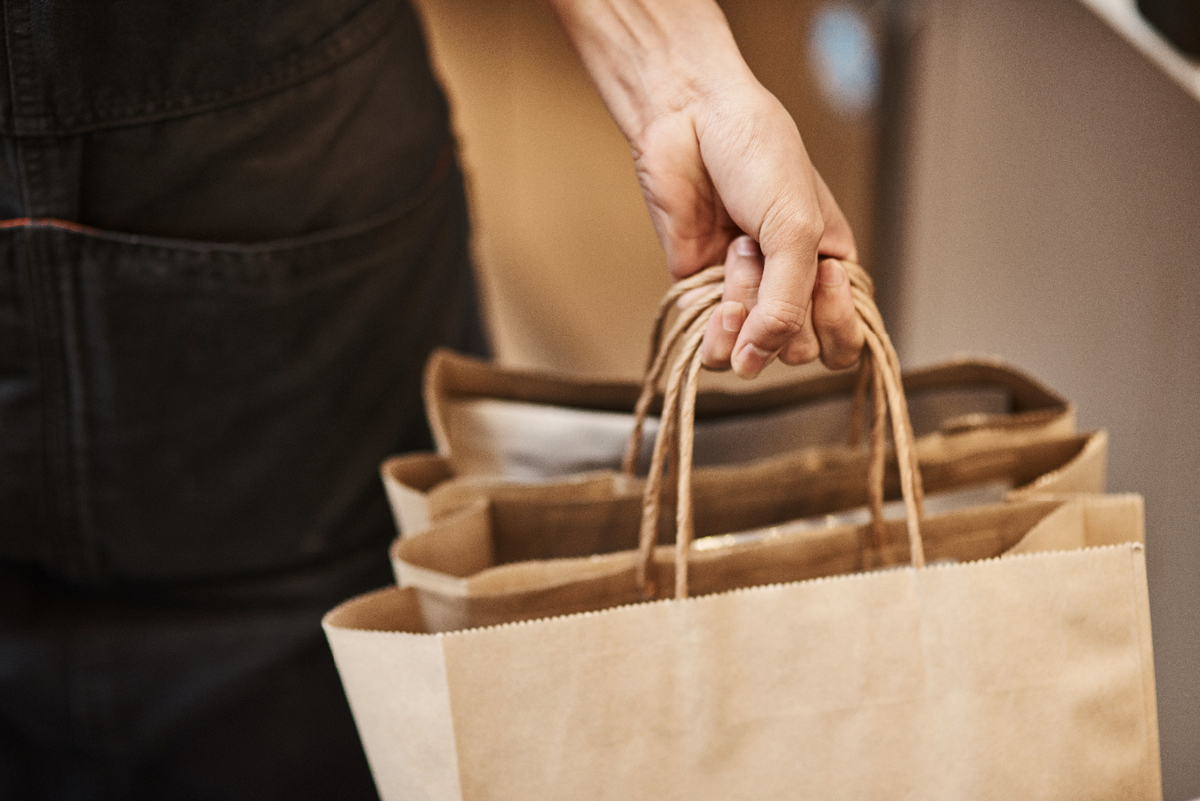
880, 369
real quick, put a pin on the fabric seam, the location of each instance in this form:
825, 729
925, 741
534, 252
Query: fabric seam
351, 38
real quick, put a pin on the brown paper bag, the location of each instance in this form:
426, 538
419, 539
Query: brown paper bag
424, 486
519, 425
1023, 676
519, 551
500, 426
527, 425
483, 556
1028, 676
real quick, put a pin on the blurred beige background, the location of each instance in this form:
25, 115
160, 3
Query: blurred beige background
1051, 214
1040, 197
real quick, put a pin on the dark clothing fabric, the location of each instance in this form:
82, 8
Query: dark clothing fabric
230, 234
185, 412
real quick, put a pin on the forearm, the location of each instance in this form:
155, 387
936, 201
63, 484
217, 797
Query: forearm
652, 57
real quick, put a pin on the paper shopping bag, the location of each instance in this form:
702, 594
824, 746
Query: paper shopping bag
1026, 676
521, 551
484, 556
502, 425
1016, 663
425, 486
505, 425
523, 424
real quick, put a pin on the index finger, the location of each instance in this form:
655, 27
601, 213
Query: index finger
784, 295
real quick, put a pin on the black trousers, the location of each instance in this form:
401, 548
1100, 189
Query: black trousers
230, 234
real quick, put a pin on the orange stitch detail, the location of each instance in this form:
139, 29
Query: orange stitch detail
50, 222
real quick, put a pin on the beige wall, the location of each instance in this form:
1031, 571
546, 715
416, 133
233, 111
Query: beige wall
569, 261
1052, 215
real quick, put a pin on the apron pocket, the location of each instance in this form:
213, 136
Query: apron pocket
222, 409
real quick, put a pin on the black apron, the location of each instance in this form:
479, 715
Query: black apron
230, 234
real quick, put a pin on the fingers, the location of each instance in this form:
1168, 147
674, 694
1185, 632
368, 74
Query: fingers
743, 274
834, 320
797, 321
830, 329
720, 335
804, 347
780, 315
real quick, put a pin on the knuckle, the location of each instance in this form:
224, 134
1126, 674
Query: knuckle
810, 228
780, 320
801, 351
839, 359
794, 221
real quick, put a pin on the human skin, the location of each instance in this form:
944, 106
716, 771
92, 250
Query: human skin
726, 179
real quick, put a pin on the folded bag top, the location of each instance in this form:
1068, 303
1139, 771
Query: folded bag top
489, 419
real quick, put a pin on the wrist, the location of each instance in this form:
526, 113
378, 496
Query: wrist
650, 58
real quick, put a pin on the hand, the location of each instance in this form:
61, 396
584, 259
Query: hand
717, 155
831, 329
